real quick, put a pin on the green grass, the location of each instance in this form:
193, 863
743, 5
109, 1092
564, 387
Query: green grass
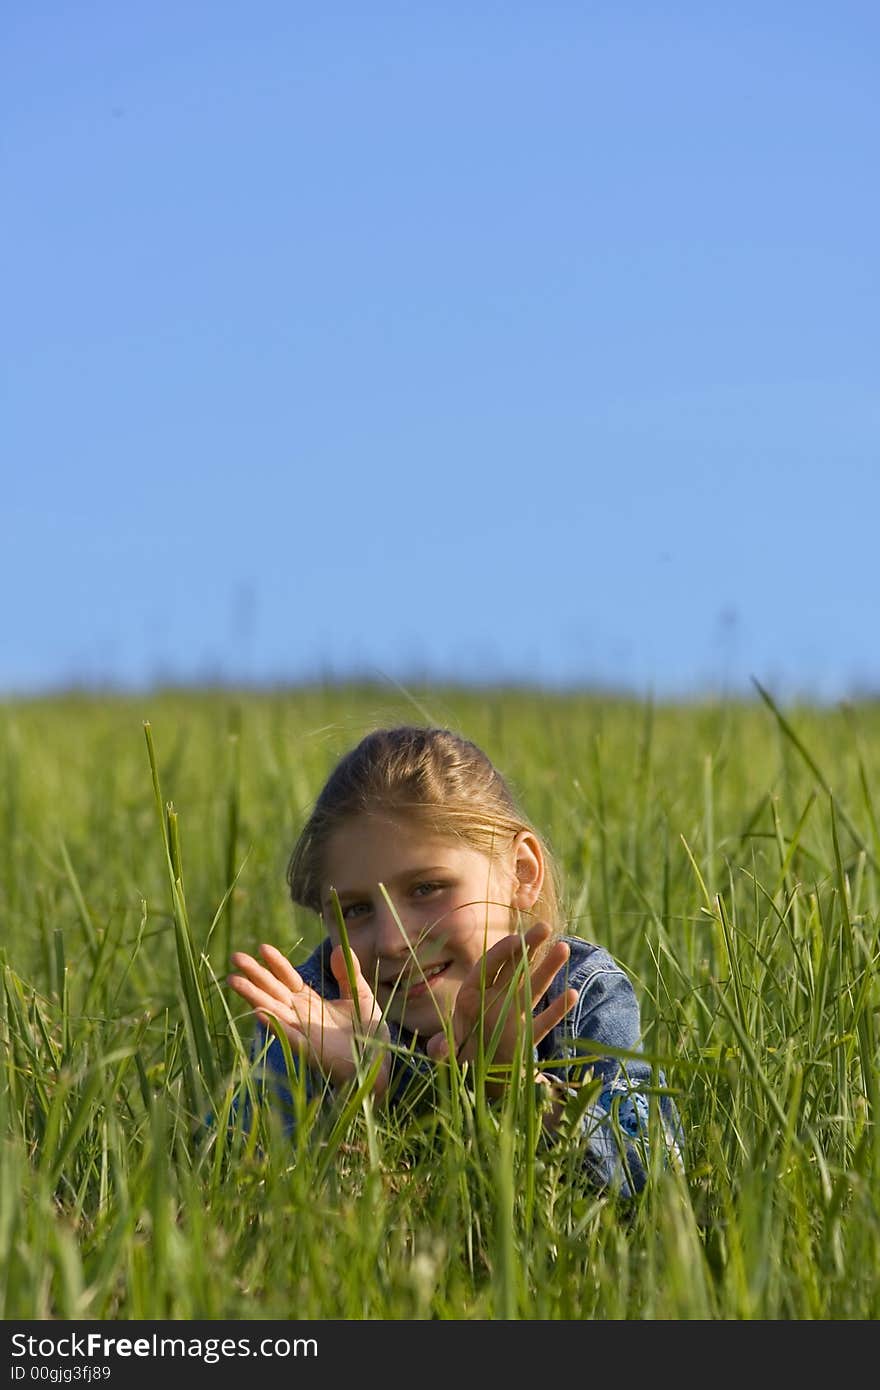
727, 854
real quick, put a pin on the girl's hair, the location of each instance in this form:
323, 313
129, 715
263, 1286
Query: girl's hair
429, 774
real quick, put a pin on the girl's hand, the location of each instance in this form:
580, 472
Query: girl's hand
488, 993
329, 1033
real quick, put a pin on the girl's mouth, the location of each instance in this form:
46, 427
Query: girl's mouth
423, 984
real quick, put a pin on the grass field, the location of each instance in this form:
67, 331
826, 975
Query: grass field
727, 854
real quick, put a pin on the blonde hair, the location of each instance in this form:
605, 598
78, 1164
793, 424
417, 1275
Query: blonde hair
429, 774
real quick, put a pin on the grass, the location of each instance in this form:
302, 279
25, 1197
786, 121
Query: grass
727, 854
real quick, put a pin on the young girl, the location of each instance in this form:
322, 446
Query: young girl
417, 844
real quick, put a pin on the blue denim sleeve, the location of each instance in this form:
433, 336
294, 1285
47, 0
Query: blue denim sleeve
614, 1126
270, 1071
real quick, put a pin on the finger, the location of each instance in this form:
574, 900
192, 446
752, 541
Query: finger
547, 968
542, 971
297, 1011
259, 998
536, 933
541, 977
506, 961
281, 967
339, 966
497, 966
544, 1022
365, 997
437, 1047
507, 953
280, 989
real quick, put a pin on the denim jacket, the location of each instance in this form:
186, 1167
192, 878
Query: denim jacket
614, 1123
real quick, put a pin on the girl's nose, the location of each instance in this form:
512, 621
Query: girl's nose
392, 938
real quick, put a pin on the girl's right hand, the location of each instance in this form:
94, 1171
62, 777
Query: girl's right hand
329, 1033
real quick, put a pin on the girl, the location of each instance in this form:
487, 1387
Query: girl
420, 865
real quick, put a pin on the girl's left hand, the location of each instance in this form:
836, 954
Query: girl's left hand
488, 993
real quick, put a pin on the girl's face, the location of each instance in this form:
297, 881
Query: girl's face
453, 902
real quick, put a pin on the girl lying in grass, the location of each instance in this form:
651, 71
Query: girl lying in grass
421, 867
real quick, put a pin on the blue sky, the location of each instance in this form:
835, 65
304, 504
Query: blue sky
529, 342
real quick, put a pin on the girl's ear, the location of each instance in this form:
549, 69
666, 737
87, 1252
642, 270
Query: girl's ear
528, 860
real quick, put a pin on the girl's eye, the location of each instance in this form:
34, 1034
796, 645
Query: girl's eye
423, 890
355, 910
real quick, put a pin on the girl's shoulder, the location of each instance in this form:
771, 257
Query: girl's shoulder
586, 960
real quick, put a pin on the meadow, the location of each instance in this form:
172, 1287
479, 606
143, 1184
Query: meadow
726, 852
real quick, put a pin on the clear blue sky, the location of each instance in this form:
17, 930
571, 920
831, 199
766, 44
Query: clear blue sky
531, 341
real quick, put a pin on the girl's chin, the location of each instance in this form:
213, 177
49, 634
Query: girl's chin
426, 1013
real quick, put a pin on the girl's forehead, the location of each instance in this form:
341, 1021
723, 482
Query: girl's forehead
387, 843
374, 833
